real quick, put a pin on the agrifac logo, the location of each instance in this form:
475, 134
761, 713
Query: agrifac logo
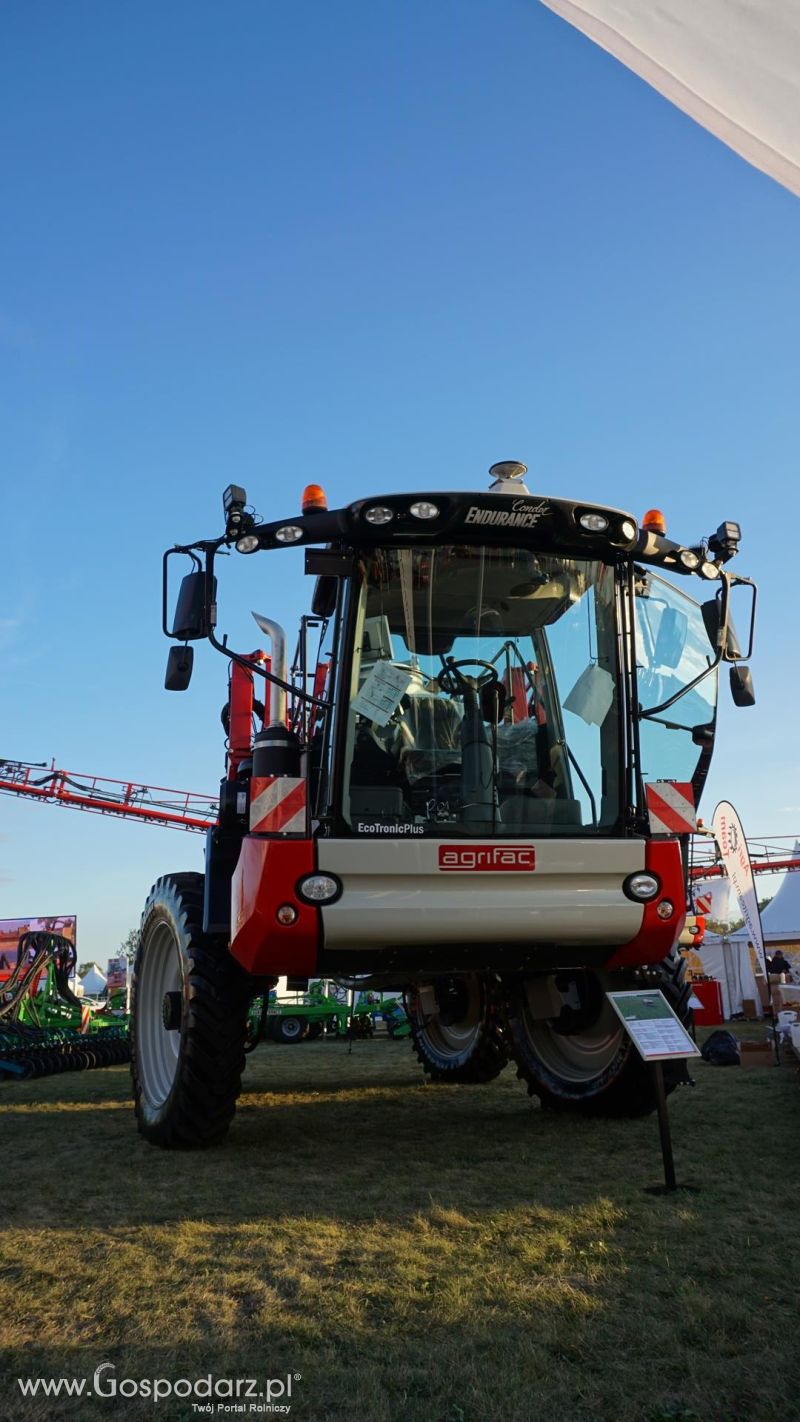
487, 858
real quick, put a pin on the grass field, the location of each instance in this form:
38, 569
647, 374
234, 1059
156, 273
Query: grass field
420, 1253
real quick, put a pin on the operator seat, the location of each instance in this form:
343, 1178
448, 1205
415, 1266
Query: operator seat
431, 723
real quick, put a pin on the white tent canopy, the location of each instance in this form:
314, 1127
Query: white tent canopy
733, 65
93, 981
730, 964
781, 918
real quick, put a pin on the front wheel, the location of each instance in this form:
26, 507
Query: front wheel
188, 1021
571, 1048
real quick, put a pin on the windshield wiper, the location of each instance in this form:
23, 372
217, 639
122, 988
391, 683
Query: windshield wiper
670, 725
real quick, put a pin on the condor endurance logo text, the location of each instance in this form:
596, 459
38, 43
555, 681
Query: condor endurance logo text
523, 513
492, 858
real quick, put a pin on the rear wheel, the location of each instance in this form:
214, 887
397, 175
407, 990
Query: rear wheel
188, 1021
457, 1029
291, 1029
570, 1046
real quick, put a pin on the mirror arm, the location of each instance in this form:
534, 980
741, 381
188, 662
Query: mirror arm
268, 676
189, 550
210, 548
670, 725
722, 639
734, 580
211, 610
655, 711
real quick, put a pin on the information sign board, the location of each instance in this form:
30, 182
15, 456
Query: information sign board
656, 1032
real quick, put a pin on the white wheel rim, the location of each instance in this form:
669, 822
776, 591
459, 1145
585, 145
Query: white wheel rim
582, 1057
452, 1039
158, 1050
291, 1027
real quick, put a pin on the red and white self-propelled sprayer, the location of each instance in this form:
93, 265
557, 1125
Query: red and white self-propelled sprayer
478, 788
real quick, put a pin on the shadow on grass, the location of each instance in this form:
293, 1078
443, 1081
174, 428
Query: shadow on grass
355, 1138
431, 1254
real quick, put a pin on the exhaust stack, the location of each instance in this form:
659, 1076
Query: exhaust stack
277, 638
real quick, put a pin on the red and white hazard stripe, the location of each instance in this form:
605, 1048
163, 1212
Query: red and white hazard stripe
671, 807
278, 805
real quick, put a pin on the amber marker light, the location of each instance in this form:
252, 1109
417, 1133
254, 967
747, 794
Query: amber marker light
655, 522
313, 500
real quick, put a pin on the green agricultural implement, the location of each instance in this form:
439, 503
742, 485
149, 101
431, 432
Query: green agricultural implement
315, 1013
44, 1028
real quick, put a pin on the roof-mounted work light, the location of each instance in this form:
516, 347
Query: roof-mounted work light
725, 542
233, 502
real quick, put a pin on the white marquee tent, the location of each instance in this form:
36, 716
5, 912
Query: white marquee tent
728, 959
732, 65
729, 962
93, 981
781, 918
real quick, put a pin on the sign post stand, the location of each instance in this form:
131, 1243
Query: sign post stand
664, 1131
658, 1035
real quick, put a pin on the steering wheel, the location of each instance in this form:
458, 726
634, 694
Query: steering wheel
452, 682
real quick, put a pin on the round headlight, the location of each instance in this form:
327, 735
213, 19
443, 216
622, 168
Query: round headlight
593, 522
422, 509
379, 514
289, 533
709, 570
665, 909
689, 559
248, 543
627, 529
319, 888
641, 887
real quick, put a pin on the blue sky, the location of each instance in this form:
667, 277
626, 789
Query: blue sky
374, 245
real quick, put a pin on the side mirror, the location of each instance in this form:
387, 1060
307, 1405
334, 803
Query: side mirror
742, 689
712, 618
190, 612
329, 566
179, 668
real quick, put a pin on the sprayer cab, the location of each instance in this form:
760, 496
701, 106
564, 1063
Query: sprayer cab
504, 667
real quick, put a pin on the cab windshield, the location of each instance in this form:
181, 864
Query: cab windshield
483, 695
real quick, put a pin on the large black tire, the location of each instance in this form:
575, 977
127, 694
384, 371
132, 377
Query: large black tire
464, 1042
594, 1068
186, 1081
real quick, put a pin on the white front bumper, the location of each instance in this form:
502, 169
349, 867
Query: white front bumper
396, 895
